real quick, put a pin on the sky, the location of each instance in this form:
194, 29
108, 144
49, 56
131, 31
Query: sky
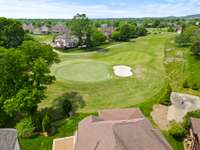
97, 8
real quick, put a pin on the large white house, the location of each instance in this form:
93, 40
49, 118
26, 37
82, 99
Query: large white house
65, 41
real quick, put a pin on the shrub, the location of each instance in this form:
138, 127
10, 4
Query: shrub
195, 86
76, 100
70, 102
186, 120
46, 123
25, 128
141, 31
37, 119
166, 99
196, 48
177, 131
67, 107
186, 84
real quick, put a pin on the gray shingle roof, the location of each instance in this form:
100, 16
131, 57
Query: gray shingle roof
8, 139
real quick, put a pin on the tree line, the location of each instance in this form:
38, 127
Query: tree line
89, 35
24, 77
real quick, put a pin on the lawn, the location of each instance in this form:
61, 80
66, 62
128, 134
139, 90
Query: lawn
43, 38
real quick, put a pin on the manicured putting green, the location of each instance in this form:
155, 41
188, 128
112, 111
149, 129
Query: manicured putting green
83, 71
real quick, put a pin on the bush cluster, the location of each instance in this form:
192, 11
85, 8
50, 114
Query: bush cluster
177, 131
191, 84
166, 98
25, 128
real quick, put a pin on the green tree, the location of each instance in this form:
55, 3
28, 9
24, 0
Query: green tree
133, 31
71, 102
81, 27
188, 36
97, 37
34, 50
141, 31
125, 32
196, 49
156, 23
25, 76
116, 36
11, 33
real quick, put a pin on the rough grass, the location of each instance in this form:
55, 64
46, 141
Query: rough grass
181, 66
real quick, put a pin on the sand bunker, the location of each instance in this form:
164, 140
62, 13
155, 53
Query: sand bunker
122, 71
181, 105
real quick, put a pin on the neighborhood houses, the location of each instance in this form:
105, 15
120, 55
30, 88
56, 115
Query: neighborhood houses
64, 37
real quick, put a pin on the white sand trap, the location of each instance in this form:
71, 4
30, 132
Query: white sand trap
122, 71
181, 105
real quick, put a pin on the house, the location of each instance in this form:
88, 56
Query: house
107, 30
60, 29
197, 23
115, 129
44, 30
9, 140
28, 27
36, 31
179, 29
65, 41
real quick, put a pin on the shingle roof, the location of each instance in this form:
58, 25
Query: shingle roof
196, 127
119, 129
60, 29
64, 143
8, 139
120, 114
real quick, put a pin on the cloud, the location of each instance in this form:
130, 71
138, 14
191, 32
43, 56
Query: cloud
173, 9
105, 9
51, 9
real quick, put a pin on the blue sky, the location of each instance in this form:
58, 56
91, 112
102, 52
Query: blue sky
97, 8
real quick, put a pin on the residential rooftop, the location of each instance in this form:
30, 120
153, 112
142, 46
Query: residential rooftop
117, 129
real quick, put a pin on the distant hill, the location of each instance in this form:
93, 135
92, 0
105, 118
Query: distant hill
192, 16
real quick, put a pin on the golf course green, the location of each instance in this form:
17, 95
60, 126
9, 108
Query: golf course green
83, 71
